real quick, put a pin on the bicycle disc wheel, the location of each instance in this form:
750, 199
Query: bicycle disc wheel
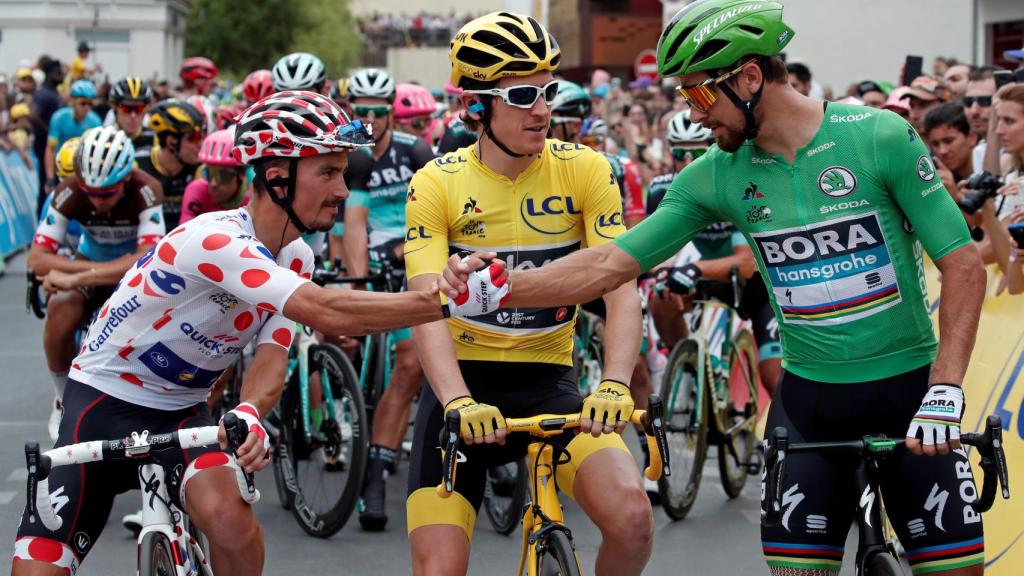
882, 564
686, 422
742, 410
558, 557
505, 495
155, 556
329, 470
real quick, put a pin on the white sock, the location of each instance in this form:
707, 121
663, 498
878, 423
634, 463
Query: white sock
59, 380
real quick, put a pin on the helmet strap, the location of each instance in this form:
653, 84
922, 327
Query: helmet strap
284, 202
747, 106
485, 119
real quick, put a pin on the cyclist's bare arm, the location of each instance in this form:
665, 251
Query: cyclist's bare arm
355, 240
962, 292
720, 269
574, 279
436, 351
623, 330
264, 382
355, 312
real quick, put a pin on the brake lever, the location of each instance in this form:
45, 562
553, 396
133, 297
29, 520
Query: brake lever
656, 427
236, 437
450, 452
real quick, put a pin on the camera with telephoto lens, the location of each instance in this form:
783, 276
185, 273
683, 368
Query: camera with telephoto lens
980, 187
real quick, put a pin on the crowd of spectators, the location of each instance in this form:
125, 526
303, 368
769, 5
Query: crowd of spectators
382, 31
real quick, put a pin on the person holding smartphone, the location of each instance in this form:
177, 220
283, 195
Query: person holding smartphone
1009, 131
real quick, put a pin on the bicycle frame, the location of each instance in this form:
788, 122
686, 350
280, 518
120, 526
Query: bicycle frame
159, 514
544, 512
299, 358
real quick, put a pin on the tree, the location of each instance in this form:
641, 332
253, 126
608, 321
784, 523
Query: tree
242, 37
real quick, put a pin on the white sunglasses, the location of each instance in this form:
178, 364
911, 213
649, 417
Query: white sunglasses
524, 96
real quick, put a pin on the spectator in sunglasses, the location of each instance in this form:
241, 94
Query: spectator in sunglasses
981, 87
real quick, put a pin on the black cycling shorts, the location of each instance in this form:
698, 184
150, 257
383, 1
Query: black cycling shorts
927, 498
83, 495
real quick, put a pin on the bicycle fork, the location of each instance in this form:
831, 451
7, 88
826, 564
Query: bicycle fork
544, 513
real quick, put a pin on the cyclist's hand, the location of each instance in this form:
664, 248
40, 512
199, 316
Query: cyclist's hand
486, 290
254, 453
608, 409
55, 281
481, 423
937, 420
455, 276
680, 280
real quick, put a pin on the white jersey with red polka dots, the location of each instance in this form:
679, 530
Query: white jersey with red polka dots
181, 314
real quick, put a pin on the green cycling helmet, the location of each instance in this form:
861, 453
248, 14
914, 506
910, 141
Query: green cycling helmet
571, 101
714, 34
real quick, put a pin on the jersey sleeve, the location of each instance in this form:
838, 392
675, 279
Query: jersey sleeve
53, 227
192, 201
602, 205
686, 210
152, 226
277, 329
224, 255
56, 121
907, 169
426, 220
421, 154
357, 178
633, 191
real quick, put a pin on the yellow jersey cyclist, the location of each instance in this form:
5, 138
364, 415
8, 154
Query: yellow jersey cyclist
378, 181
850, 202
184, 311
532, 200
120, 215
721, 247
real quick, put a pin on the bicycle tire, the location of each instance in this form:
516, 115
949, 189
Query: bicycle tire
281, 454
155, 555
733, 474
882, 564
344, 383
680, 428
504, 512
559, 556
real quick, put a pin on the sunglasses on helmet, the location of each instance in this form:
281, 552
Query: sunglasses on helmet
355, 132
702, 96
524, 96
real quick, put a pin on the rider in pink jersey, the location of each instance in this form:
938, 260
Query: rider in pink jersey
223, 185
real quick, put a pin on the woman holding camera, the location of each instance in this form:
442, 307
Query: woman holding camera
1009, 130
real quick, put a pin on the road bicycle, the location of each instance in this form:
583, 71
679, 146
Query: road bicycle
710, 385
547, 545
168, 544
874, 556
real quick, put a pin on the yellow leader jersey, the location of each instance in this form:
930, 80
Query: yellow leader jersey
566, 200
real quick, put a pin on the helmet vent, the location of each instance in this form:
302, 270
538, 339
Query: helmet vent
498, 42
709, 49
476, 58
752, 30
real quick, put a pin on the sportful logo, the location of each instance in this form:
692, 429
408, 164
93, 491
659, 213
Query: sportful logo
837, 181
722, 19
832, 272
925, 168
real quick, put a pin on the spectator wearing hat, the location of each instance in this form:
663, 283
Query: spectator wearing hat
25, 86
871, 94
926, 92
78, 68
897, 102
17, 135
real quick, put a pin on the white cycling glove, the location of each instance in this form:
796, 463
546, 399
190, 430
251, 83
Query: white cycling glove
487, 289
941, 409
248, 414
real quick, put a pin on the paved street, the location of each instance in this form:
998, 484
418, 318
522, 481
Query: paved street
720, 537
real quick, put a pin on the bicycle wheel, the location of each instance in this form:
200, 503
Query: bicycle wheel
505, 495
882, 564
741, 410
686, 422
328, 470
155, 556
557, 556
281, 454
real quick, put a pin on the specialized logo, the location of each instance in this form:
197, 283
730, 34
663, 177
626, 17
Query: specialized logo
550, 215
867, 500
470, 207
567, 150
606, 224
758, 214
925, 168
790, 500
751, 192
831, 272
937, 501
722, 18
58, 499
837, 181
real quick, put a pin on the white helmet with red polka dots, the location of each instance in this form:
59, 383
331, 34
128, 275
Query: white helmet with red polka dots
296, 124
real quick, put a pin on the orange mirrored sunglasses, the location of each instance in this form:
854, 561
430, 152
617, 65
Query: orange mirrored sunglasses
702, 96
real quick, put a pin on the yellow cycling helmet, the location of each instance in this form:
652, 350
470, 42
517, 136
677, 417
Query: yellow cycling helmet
501, 44
19, 111
66, 158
